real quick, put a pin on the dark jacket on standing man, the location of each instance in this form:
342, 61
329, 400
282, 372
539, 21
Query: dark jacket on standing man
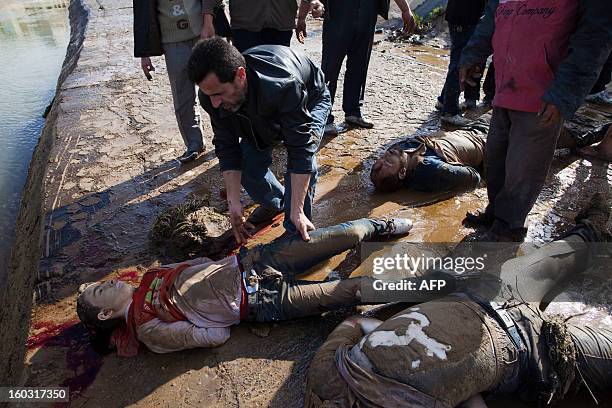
284, 86
464, 12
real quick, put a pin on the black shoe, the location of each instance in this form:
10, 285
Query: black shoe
478, 219
499, 232
190, 155
263, 215
590, 138
359, 121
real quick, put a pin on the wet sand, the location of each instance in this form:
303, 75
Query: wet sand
112, 170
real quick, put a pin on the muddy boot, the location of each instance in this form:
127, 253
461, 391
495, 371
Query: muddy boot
478, 219
591, 221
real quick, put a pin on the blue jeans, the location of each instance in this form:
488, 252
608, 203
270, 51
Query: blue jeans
265, 189
263, 186
459, 35
281, 296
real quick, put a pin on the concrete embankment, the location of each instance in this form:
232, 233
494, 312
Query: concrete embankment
16, 298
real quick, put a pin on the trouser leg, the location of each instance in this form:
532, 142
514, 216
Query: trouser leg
337, 33
451, 91
277, 37
184, 99
257, 178
245, 39
489, 83
496, 149
604, 77
358, 56
309, 299
593, 356
531, 146
293, 256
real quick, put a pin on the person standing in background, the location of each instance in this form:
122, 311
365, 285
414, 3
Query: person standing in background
257, 22
171, 28
462, 17
348, 31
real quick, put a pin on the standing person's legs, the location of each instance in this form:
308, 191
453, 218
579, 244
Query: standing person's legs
184, 94
337, 34
489, 84
358, 56
245, 39
531, 146
496, 149
451, 91
277, 37
604, 77
257, 179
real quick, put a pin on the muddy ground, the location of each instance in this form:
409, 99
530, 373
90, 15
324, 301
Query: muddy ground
112, 171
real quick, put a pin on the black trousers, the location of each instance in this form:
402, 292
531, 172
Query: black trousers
348, 31
244, 39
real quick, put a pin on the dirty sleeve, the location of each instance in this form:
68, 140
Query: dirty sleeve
589, 48
480, 45
162, 337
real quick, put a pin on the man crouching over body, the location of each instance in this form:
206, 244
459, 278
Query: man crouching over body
194, 303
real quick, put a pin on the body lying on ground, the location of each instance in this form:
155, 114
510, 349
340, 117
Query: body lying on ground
194, 303
447, 352
451, 161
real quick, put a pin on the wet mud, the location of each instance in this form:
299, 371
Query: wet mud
111, 173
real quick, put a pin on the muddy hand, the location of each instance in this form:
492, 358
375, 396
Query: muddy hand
468, 75
302, 225
549, 113
409, 23
147, 67
240, 226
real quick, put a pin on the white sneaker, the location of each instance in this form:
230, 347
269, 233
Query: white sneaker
397, 226
456, 120
467, 104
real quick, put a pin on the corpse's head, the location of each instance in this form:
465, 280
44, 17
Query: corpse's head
393, 167
219, 70
101, 307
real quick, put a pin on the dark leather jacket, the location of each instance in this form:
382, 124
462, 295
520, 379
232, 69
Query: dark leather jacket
285, 88
147, 35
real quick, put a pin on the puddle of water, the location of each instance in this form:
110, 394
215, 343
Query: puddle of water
33, 39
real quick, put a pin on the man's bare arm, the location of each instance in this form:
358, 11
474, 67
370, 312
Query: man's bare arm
239, 224
299, 189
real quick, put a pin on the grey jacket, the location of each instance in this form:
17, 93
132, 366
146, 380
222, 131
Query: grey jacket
284, 89
589, 46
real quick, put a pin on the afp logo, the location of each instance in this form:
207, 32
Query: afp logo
182, 24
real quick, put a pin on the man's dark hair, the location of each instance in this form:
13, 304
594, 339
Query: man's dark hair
388, 184
99, 331
214, 55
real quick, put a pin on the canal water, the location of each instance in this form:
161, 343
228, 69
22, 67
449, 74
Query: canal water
33, 39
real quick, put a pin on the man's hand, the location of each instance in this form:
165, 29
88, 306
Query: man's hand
469, 75
147, 67
409, 23
300, 30
240, 226
302, 224
208, 28
317, 9
549, 113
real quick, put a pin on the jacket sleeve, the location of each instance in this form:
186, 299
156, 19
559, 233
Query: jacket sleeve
208, 6
162, 337
480, 45
589, 48
299, 128
227, 144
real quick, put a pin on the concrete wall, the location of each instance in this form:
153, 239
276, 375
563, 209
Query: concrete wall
16, 298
